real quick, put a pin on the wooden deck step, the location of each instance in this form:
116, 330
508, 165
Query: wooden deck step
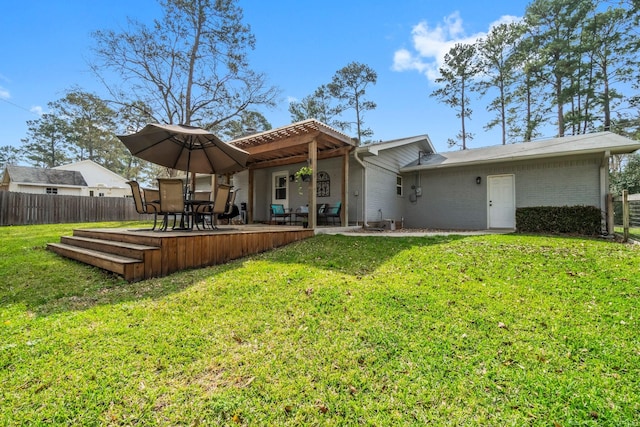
129, 250
140, 254
130, 268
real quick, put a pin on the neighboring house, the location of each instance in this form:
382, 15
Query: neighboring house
101, 182
85, 178
23, 179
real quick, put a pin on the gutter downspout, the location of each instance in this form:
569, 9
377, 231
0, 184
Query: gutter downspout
364, 189
607, 222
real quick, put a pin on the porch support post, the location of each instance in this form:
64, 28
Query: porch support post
313, 163
250, 198
214, 184
344, 212
192, 185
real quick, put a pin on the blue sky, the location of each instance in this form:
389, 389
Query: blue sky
46, 46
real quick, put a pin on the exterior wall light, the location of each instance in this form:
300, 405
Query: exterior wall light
478, 180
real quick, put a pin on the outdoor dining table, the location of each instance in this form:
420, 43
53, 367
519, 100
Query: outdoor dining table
190, 207
189, 211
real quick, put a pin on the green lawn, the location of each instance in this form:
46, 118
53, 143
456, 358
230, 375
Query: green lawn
336, 330
634, 232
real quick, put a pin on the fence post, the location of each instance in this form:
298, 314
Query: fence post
625, 215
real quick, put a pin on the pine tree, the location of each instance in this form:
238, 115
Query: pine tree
46, 144
457, 73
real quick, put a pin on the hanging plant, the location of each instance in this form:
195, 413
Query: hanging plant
304, 174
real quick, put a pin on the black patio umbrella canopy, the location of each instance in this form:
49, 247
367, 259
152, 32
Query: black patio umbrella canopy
186, 148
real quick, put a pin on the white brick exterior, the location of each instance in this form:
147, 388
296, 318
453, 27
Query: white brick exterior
451, 198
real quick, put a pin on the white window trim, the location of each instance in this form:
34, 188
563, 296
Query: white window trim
400, 186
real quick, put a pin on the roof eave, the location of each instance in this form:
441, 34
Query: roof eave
305, 126
375, 149
48, 184
611, 150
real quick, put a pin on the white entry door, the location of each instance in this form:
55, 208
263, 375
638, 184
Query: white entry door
502, 201
280, 188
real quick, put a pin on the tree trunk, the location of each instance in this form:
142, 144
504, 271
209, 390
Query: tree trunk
560, 105
462, 114
606, 100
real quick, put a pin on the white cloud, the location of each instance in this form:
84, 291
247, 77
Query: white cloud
403, 60
506, 19
36, 109
4, 93
431, 44
454, 24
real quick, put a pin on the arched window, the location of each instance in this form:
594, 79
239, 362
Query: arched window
323, 186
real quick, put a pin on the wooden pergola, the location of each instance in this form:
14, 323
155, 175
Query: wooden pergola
306, 141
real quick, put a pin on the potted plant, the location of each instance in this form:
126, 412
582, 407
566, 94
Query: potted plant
303, 175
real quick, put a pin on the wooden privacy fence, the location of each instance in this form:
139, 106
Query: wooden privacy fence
627, 212
24, 209
633, 206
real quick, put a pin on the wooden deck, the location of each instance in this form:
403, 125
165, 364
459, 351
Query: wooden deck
138, 254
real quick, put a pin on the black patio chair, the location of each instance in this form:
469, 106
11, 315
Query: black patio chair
232, 210
278, 211
330, 212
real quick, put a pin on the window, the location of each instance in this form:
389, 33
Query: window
52, 190
280, 188
323, 185
399, 188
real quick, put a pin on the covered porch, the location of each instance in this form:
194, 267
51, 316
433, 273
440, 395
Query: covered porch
304, 143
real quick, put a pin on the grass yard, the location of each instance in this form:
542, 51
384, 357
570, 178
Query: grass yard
634, 232
336, 330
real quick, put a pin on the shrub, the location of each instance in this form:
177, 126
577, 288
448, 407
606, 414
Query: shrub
584, 220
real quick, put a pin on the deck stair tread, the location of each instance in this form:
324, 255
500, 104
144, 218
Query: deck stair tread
132, 250
95, 253
131, 269
116, 243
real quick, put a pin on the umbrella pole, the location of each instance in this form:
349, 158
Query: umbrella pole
186, 182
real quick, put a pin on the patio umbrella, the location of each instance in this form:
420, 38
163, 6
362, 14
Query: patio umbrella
186, 148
